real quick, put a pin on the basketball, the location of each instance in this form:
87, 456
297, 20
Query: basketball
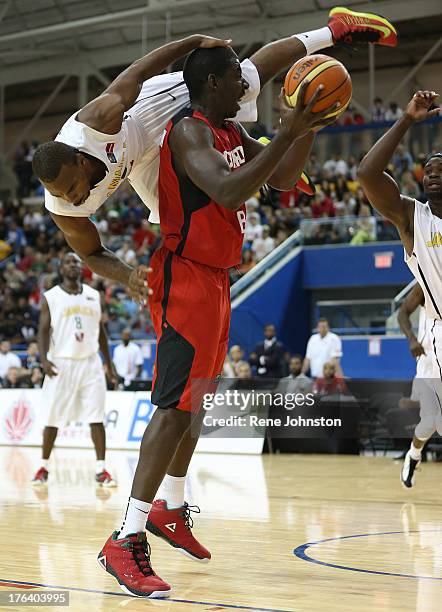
320, 70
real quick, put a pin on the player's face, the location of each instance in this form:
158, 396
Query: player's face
72, 184
432, 179
234, 87
71, 267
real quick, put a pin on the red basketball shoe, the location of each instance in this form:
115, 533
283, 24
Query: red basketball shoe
41, 477
104, 479
350, 27
128, 560
174, 526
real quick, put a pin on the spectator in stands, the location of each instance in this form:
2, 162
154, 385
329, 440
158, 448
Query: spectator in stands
365, 230
263, 245
322, 205
296, 381
253, 227
234, 359
393, 113
143, 235
322, 347
402, 161
126, 253
114, 323
244, 371
32, 358
36, 378
14, 379
336, 165
269, 356
8, 359
409, 187
329, 383
128, 359
378, 110
314, 168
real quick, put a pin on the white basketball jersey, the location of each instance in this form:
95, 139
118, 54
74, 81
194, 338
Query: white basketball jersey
119, 152
424, 363
75, 322
426, 259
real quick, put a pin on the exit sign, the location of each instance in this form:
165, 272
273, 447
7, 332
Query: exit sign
383, 260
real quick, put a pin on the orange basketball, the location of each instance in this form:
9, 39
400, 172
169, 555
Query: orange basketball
320, 70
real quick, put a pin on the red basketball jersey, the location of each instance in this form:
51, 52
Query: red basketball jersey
193, 225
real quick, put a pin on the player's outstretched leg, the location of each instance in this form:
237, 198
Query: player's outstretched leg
170, 516
42, 474
411, 462
344, 27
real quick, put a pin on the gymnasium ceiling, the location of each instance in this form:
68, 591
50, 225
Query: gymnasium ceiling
40, 39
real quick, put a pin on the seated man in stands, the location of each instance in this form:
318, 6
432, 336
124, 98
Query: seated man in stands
330, 384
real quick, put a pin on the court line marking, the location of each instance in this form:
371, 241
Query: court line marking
301, 554
25, 583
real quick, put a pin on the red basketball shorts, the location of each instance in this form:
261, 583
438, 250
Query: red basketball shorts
190, 310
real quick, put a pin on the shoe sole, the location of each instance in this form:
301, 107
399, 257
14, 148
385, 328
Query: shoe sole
157, 532
374, 16
39, 483
106, 486
125, 589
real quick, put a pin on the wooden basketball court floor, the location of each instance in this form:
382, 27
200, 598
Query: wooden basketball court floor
298, 533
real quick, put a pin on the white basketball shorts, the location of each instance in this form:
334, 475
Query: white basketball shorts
76, 394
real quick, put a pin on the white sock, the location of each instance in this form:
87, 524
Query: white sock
135, 518
172, 490
415, 453
316, 39
44, 463
100, 467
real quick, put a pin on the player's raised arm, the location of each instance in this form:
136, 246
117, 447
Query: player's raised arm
381, 189
413, 300
105, 113
192, 145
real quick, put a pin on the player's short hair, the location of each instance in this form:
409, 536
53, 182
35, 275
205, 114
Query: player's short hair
202, 62
438, 155
49, 158
323, 320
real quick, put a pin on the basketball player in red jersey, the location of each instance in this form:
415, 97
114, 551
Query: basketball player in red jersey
208, 167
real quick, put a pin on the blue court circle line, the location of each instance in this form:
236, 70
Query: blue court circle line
166, 600
300, 552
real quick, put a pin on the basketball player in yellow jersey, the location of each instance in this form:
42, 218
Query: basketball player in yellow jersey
74, 389
116, 136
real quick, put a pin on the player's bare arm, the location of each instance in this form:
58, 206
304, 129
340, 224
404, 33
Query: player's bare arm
109, 366
380, 188
192, 145
290, 167
413, 300
105, 113
44, 330
83, 237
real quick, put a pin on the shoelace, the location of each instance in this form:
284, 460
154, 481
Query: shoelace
188, 520
141, 553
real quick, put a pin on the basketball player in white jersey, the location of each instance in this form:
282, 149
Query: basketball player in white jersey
74, 389
423, 392
420, 229
116, 136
